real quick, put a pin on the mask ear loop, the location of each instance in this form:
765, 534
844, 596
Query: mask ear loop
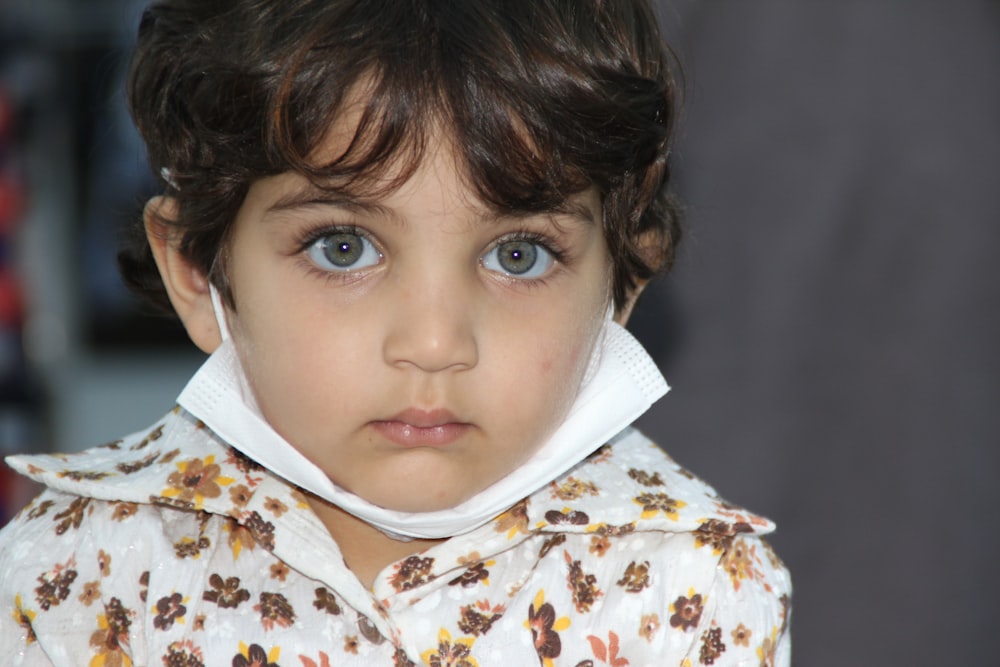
220, 312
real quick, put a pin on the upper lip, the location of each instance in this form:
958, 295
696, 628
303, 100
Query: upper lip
425, 418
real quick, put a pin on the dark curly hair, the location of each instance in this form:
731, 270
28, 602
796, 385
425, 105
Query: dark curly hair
542, 99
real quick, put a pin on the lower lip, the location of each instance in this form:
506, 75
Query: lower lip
408, 435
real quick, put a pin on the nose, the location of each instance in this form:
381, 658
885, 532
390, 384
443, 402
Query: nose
432, 328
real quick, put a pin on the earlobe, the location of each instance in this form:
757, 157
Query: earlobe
186, 285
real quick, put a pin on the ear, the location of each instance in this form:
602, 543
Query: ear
622, 314
186, 285
653, 248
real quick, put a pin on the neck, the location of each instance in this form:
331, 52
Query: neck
366, 550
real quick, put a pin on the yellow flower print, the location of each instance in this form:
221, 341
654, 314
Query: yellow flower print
654, 503
24, 618
449, 654
195, 480
739, 562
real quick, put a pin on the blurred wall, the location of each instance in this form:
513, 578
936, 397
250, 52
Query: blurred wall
832, 327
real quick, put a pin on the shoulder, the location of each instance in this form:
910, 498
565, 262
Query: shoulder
639, 553
632, 481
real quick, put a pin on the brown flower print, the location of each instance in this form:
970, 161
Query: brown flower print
72, 516
636, 577
351, 644
450, 653
54, 586
411, 573
255, 656
39, 510
123, 511
132, 467
649, 625
326, 601
545, 628
279, 571
152, 436
687, 611
654, 503
738, 562
261, 530
226, 593
111, 639
514, 520
183, 654
472, 576
169, 609
644, 478
574, 489
477, 620
583, 586
195, 480
711, 646
274, 610
719, 534
400, 659
572, 517
550, 544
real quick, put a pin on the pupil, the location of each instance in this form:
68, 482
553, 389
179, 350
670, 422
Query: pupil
343, 249
518, 256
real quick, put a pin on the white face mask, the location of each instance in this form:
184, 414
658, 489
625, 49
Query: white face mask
620, 383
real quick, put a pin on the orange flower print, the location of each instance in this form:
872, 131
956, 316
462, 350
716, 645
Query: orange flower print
739, 561
104, 562
545, 629
649, 626
450, 654
686, 611
24, 618
275, 506
279, 571
240, 495
599, 545
607, 653
324, 660
91, 593
654, 503
195, 480
741, 635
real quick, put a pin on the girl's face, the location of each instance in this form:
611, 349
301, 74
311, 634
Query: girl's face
416, 347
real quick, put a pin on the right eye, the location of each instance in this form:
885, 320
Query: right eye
343, 251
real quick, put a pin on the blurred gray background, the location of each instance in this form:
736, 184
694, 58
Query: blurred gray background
831, 329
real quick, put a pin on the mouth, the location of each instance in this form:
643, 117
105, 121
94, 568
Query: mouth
422, 428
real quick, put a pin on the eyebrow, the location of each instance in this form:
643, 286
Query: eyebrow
312, 195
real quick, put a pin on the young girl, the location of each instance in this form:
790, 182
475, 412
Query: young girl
407, 233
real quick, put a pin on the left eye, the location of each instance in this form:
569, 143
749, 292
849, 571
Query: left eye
519, 258
343, 251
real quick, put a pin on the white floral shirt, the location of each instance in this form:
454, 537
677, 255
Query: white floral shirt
171, 548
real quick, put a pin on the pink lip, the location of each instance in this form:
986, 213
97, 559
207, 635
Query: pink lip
422, 428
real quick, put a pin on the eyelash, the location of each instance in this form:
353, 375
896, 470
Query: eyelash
311, 236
